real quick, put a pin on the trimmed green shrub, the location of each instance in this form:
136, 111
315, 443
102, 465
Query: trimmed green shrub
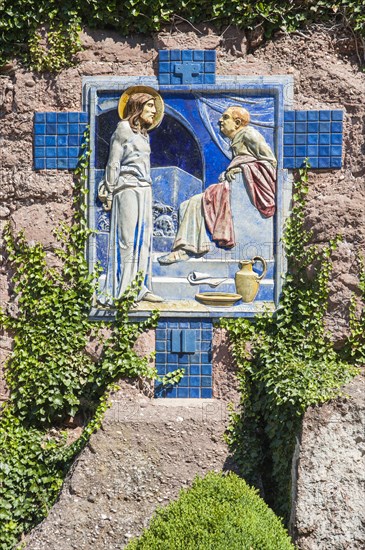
219, 512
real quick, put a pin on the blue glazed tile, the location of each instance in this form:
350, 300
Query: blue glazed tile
40, 117
210, 55
160, 358
313, 115
324, 139
209, 78
337, 115
164, 79
62, 117
175, 79
184, 359
289, 116
198, 79
206, 381
171, 367
51, 117
175, 341
336, 150
175, 55
184, 324
289, 139
62, 140
72, 163
198, 55
50, 141
73, 118
62, 163
289, 127
172, 324
194, 392
172, 357
289, 151
50, 152
51, 129
336, 127
51, 163
184, 382
336, 162
73, 151
62, 152
312, 139
39, 128
195, 358
323, 151
206, 346
188, 341
314, 162
207, 370
39, 141
187, 55
83, 118
336, 139
209, 67
62, 129
164, 55
206, 334
300, 151
207, 393
194, 370
182, 393
324, 162
301, 139
324, 127
298, 162
74, 141
164, 67
207, 324
160, 345
39, 152
161, 370
289, 162
195, 324
301, 127
171, 392
160, 334
163, 324
301, 115
39, 164
159, 391
73, 128
194, 381
205, 358
312, 150
313, 127
324, 115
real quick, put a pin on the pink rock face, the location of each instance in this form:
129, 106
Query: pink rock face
39, 222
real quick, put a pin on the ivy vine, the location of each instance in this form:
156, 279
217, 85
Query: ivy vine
49, 374
45, 33
287, 363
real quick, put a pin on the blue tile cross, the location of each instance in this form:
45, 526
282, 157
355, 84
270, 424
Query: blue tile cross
187, 71
316, 135
57, 139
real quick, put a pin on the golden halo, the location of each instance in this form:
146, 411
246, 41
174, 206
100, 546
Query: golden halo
146, 90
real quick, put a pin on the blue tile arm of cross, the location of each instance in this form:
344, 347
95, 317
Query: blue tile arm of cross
187, 71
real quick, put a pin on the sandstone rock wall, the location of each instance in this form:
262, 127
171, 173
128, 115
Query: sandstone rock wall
328, 510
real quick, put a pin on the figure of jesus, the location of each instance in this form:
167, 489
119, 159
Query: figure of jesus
126, 191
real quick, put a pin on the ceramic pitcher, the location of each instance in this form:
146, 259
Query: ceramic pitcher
247, 281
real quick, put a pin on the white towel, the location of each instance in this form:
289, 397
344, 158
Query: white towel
197, 278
